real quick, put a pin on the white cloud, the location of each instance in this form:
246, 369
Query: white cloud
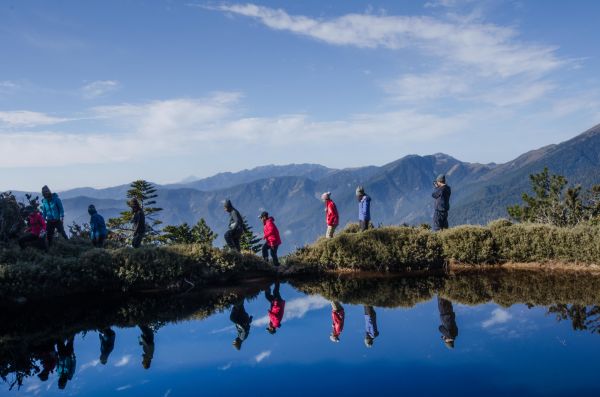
91, 364
297, 308
415, 87
490, 49
261, 356
123, 361
26, 118
226, 366
499, 316
122, 388
99, 88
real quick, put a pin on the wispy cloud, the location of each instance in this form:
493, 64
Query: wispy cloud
99, 88
124, 387
123, 361
261, 356
297, 308
499, 316
226, 366
27, 118
91, 364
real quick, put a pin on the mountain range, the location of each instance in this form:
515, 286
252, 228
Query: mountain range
400, 190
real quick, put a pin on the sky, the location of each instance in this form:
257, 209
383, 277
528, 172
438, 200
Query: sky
101, 93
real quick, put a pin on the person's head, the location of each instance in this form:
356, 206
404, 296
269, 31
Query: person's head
334, 338
237, 343
146, 361
448, 342
62, 381
263, 216
326, 196
134, 204
369, 341
360, 192
441, 179
46, 192
103, 358
91, 209
227, 206
272, 330
43, 375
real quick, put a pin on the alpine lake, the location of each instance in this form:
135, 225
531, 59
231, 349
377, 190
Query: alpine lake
493, 333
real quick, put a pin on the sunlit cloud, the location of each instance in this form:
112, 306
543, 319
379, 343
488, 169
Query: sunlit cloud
261, 356
91, 364
99, 88
27, 118
499, 316
124, 387
123, 361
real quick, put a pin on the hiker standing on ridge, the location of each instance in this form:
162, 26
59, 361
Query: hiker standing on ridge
138, 221
54, 214
36, 229
441, 194
98, 230
271, 237
331, 214
364, 208
236, 227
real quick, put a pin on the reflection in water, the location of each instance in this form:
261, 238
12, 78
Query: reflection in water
48, 358
448, 328
337, 317
66, 361
146, 340
582, 318
371, 331
242, 322
277, 308
107, 344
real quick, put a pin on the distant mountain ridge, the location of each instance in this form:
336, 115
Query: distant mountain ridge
401, 190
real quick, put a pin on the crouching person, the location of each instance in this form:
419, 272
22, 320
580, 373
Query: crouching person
36, 229
98, 230
271, 237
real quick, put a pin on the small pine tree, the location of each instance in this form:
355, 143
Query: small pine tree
80, 231
200, 233
203, 234
249, 240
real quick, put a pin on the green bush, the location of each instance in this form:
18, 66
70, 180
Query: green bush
469, 244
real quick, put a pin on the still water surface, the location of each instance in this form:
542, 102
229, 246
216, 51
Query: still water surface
323, 346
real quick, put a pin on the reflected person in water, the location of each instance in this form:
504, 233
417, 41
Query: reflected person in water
66, 361
146, 340
107, 344
337, 317
242, 321
448, 328
48, 357
371, 331
277, 308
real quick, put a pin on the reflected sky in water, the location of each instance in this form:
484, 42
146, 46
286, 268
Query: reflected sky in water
498, 351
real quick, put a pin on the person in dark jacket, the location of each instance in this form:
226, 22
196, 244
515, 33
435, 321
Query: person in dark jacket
242, 322
364, 208
146, 340
36, 229
48, 357
66, 362
448, 329
236, 227
441, 194
139, 223
107, 344
98, 231
338, 316
54, 214
371, 331
271, 237
277, 308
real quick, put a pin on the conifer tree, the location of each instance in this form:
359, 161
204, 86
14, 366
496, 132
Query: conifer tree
200, 233
249, 240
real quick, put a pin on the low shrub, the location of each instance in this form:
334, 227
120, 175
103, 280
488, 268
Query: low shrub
469, 244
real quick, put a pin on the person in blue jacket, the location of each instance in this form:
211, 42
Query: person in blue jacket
98, 230
53, 213
364, 208
441, 194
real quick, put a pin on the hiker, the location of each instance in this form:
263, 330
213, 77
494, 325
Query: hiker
371, 331
331, 214
271, 237
448, 329
107, 344
146, 340
337, 316
277, 308
98, 230
242, 322
48, 358
66, 362
54, 214
364, 208
441, 194
236, 227
36, 229
138, 221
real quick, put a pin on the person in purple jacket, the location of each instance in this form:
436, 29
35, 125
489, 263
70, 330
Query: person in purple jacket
364, 208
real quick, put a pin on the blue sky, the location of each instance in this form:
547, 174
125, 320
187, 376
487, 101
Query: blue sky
101, 93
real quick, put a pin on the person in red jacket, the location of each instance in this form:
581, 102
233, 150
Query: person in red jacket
337, 317
277, 308
331, 214
36, 229
271, 237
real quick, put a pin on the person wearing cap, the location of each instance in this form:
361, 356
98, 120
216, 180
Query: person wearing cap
239, 316
364, 208
98, 230
441, 194
371, 331
277, 308
331, 214
36, 228
236, 227
54, 214
271, 237
448, 329
138, 221
338, 315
